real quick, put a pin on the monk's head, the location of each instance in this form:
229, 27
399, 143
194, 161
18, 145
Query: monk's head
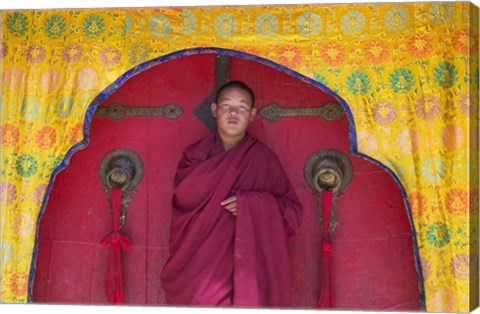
233, 110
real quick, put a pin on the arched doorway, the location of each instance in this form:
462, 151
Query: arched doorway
374, 252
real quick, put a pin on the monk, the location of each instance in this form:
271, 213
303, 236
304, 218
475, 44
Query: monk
233, 211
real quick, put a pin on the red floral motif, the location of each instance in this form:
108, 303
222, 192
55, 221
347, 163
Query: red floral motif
384, 113
35, 54
249, 50
3, 49
291, 57
368, 140
443, 299
420, 45
466, 104
426, 268
376, 51
87, 79
453, 137
465, 43
428, 107
72, 53
23, 225
459, 266
8, 193
13, 78
418, 204
18, 284
50, 80
76, 134
46, 137
10, 135
409, 141
333, 54
110, 56
38, 194
457, 201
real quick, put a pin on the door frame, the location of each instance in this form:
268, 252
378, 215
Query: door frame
109, 90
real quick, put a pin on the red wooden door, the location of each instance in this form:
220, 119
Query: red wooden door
72, 264
373, 228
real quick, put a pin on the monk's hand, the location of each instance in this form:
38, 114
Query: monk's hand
230, 204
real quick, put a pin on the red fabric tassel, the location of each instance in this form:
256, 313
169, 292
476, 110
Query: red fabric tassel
327, 292
117, 242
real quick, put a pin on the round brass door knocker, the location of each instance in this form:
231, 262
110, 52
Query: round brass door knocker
328, 170
121, 168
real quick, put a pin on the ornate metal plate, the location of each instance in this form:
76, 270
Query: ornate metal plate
329, 111
118, 111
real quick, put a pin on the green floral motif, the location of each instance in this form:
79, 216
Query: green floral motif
56, 162
138, 52
446, 74
64, 107
353, 22
30, 108
17, 24
189, 23
127, 24
225, 25
433, 170
358, 83
160, 25
49, 166
438, 234
7, 253
397, 18
309, 24
441, 13
26, 165
8, 165
401, 80
321, 79
93, 25
55, 26
266, 24
404, 173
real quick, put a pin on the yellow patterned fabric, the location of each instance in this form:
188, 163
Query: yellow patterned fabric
408, 72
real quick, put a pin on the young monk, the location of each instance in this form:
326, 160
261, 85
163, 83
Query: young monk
233, 211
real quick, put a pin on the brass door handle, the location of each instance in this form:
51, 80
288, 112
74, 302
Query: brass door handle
328, 170
121, 168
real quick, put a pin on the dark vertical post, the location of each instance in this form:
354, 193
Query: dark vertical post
222, 76
222, 70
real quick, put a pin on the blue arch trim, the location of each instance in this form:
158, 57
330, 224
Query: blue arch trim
109, 90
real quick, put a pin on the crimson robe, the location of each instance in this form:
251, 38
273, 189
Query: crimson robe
216, 258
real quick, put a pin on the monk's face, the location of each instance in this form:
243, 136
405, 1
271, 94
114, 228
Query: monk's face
233, 113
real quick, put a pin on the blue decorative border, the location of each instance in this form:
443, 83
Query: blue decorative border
231, 53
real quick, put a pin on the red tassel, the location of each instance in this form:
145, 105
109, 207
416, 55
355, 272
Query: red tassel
117, 242
327, 292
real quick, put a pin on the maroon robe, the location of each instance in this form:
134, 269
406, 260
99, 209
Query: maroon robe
216, 258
